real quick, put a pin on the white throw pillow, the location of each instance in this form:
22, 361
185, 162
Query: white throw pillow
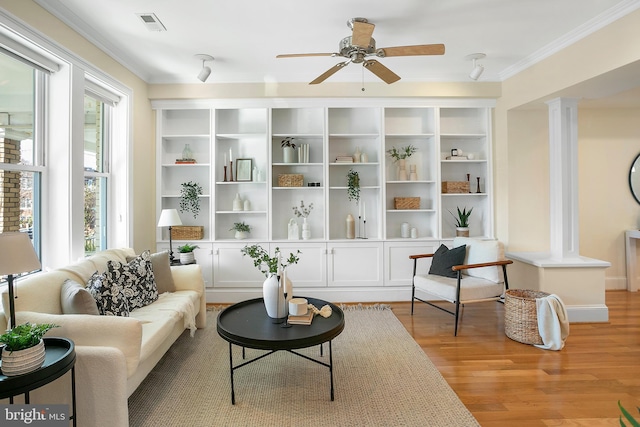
481, 251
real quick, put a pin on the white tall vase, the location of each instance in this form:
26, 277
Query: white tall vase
273, 295
306, 230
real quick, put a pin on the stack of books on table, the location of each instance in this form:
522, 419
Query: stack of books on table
305, 319
344, 159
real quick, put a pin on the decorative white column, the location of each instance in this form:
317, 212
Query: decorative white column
563, 178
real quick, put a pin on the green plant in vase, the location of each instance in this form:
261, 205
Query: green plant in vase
241, 229
462, 221
25, 336
186, 253
189, 197
353, 185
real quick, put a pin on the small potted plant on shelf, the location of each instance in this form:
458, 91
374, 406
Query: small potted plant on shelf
189, 197
400, 156
462, 221
288, 149
353, 185
186, 254
242, 230
23, 349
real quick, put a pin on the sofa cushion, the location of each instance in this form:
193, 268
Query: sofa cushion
109, 296
136, 278
445, 258
481, 251
161, 271
75, 299
472, 288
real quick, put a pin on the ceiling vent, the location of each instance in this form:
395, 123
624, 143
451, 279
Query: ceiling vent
151, 21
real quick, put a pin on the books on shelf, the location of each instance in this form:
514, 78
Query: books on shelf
344, 159
185, 161
305, 319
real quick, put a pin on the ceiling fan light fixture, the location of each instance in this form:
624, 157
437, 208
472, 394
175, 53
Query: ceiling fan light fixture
205, 72
477, 69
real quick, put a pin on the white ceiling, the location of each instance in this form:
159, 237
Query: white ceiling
245, 36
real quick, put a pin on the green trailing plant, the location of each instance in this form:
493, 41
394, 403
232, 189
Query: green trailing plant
632, 421
288, 142
25, 336
353, 185
186, 248
402, 153
189, 197
302, 211
240, 226
269, 264
462, 220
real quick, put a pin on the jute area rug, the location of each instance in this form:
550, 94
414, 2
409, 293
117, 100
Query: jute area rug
381, 377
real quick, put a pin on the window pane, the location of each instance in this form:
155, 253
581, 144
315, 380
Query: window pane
16, 111
95, 208
93, 135
19, 200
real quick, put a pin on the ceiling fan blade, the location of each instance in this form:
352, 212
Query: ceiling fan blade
362, 32
381, 71
331, 71
421, 49
297, 55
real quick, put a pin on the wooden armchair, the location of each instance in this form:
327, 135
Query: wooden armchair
467, 273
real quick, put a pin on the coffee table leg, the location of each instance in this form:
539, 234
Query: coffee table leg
233, 392
331, 368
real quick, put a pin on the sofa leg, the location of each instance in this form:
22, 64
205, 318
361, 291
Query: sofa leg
413, 297
455, 330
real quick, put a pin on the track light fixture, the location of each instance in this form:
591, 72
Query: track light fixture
203, 75
477, 69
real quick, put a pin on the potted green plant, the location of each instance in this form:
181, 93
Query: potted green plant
189, 197
400, 156
23, 349
288, 149
242, 230
274, 290
462, 221
353, 185
186, 254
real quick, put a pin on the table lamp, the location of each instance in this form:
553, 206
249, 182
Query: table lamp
169, 217
18, 256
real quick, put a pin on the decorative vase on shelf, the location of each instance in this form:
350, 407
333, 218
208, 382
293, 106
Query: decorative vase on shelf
306, 230
273, 295
187, 154
413, 175
247, 205
351, 227
20, 362
237, 203
292, 230
241, 235
402, 171
289, 154
364, 158
357, 155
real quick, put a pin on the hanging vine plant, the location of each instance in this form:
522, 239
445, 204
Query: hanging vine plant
353, 185
189, 201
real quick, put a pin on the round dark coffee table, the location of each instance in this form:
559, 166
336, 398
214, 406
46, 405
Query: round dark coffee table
246, 324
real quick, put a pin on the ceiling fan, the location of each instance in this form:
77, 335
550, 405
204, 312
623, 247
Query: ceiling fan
360, 45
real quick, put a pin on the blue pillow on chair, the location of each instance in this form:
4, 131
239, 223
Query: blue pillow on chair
445, 258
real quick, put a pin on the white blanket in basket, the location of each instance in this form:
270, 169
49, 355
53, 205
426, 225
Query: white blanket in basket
553, 323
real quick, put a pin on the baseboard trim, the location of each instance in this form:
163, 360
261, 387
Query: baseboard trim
587, 313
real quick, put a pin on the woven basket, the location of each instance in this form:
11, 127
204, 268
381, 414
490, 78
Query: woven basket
187, 232
521, 315
406, 202
290, 180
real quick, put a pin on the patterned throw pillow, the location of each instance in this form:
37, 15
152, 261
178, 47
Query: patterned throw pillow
109, 296
136, 278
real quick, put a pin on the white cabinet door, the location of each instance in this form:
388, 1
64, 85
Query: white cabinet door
356, 263
311, 270
231, 269
203, 255
398, 266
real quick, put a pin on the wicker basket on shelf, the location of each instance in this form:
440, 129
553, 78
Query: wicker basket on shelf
187, 232
406, 202
521, 315
290, 180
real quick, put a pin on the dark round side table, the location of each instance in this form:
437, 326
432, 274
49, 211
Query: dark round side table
60, 357
246, 324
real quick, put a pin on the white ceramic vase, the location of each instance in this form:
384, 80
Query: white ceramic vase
22, 361
289, 154
306, 230
240, 235
273, 295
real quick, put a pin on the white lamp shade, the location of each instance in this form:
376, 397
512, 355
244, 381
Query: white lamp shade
169, 217
18, 254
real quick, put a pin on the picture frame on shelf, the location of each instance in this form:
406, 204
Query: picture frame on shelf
244, 168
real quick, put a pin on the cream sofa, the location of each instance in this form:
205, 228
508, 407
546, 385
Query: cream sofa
114, 354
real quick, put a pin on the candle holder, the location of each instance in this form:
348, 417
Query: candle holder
231, 170
478, 190
225, 174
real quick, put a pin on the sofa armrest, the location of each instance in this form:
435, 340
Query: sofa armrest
189, 277
420, 256
484, 264
123, 333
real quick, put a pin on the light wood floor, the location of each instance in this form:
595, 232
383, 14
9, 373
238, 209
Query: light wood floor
506, 383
